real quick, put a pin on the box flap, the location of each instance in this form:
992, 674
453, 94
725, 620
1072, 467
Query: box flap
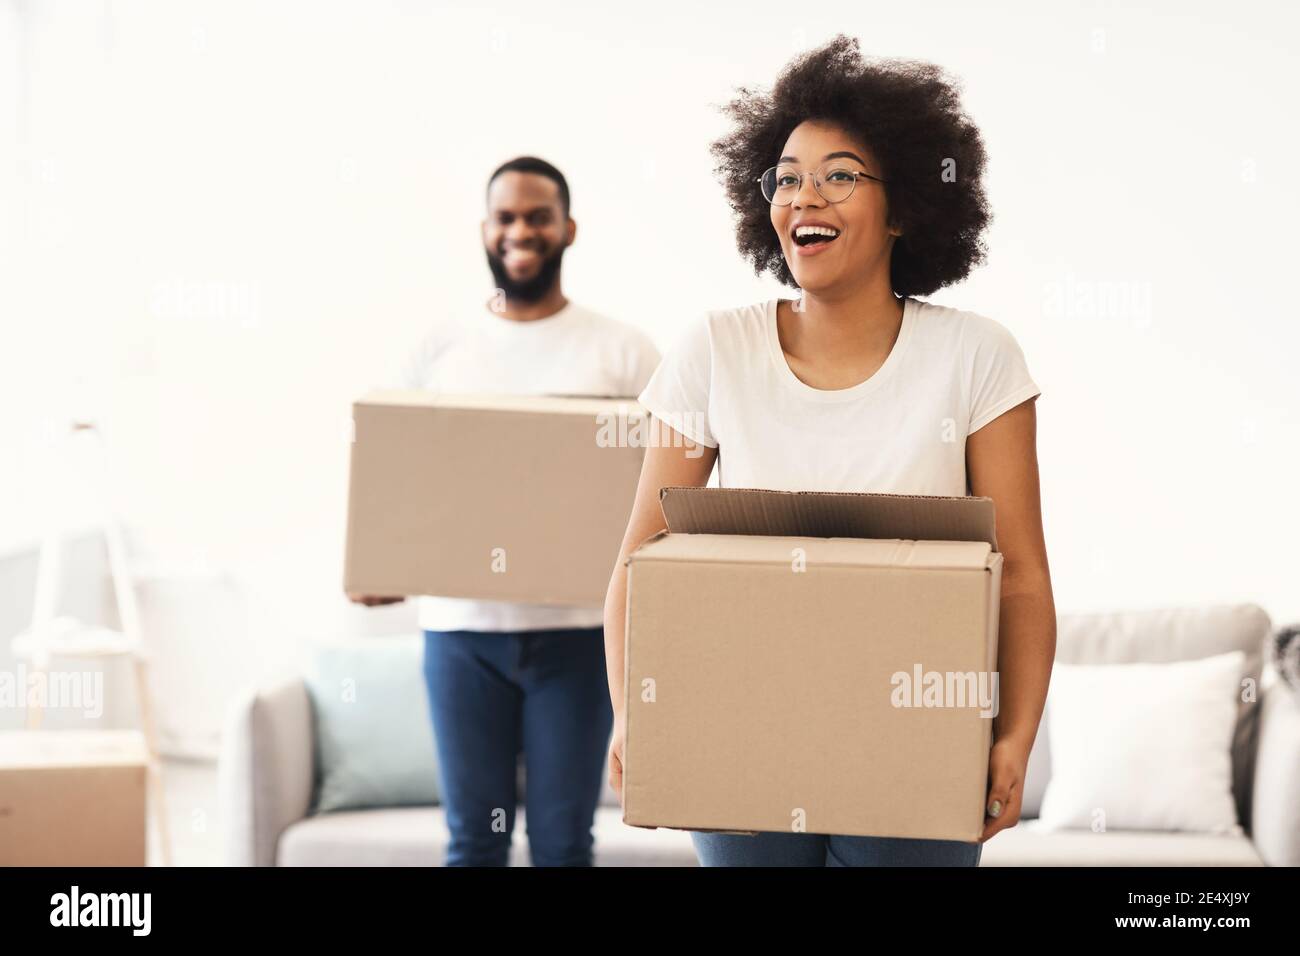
750, 549
45, 749
828, 514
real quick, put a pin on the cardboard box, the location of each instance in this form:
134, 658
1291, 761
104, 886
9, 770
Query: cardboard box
779, 650
508, 498
72, 798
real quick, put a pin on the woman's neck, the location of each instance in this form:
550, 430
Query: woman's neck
853, 327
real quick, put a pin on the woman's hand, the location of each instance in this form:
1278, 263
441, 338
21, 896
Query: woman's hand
1008, 759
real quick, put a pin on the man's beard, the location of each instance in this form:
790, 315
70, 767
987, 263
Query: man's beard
527, 290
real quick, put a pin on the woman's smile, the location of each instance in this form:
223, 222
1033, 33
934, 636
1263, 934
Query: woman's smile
813, 245
812, 237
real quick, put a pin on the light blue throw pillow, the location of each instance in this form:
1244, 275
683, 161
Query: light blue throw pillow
374, 737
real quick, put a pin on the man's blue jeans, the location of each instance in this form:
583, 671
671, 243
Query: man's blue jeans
814, 849
494, 695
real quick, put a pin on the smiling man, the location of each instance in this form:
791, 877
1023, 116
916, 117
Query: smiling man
505, 678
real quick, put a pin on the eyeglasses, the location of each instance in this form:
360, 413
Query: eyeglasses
834, 182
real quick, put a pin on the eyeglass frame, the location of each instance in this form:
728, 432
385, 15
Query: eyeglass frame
856, 174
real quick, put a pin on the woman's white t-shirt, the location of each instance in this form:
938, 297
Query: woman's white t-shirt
726, 383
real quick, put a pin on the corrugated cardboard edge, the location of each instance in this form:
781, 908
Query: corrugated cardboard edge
753, 550
515, 404
991, 666
350, 528
701, 509
628, 709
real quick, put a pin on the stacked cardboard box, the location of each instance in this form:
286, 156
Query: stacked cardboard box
72, 798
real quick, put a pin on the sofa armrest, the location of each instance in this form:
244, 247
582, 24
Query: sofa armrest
266, 771
1275, 810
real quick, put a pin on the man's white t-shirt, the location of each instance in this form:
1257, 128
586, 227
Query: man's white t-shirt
573, 352
726, 383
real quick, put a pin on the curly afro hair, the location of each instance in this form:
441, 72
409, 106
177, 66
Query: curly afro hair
910, 114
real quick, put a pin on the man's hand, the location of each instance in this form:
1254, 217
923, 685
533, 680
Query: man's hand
616, 756
371, 600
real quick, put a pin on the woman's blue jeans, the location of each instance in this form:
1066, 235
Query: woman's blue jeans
815, 849
495, 695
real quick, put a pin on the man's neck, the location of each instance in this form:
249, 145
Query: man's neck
543, 308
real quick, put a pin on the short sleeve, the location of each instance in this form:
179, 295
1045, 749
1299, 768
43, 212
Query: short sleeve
415, 369
678, 391
642, 364
999, 375
410, 371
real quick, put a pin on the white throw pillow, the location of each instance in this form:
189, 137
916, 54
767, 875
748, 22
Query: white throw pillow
1143, 746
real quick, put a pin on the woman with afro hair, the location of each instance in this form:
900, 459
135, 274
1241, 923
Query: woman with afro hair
858, 182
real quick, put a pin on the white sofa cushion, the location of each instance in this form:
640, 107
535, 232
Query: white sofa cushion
1144, 746
1155, 636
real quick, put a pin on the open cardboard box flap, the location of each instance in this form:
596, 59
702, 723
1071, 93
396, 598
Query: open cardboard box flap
828, 514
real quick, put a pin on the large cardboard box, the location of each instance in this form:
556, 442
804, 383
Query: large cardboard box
813, 662
496, 497
72, 798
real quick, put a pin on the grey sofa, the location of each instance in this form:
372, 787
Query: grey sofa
266, 774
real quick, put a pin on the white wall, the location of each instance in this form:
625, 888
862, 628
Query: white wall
230, 218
